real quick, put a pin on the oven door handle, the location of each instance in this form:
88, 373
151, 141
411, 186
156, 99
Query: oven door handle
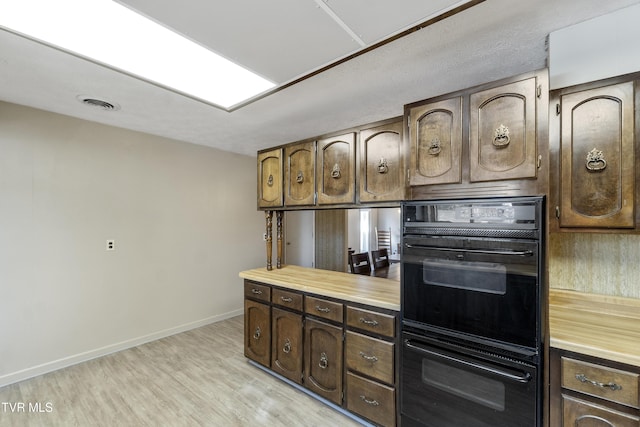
475, 251
524, 378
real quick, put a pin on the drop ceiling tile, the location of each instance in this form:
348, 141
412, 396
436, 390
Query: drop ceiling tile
278, 39
374, 20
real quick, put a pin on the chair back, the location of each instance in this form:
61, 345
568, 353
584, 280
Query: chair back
360, 263
380, 258
383, 239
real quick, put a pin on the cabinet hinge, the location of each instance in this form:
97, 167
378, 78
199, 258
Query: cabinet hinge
557, 109
539, 91
558, 212
539, 161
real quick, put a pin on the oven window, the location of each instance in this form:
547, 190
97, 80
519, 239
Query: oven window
469, 275
467, 385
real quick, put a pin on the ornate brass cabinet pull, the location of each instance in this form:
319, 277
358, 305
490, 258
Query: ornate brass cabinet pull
323, 309
335, 172
324, 360
286, 299
256, 291
596, 161
583, 378
257, 333
383, 167
435, 148
270, 180
368, 358
501, 136
300, 177
287, 346
368, 322
371, 402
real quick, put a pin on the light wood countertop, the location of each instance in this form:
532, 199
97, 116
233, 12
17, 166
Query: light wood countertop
595, 325
374, 291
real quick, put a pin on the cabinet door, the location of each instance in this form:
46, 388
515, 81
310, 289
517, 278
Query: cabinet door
257, 332
502, 132
300, 163
597, 157
435, 136
580, 413
323, 359
336, 169
270, 179
286, 348
382, 163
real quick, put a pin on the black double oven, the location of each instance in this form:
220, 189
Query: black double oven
472, 313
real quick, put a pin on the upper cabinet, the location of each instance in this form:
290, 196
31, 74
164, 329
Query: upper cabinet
336, 178
382, 171
270, 178
502, 132
435, 138
462, 142
595, 183
300, 162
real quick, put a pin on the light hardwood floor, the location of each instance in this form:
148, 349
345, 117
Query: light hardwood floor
196, 378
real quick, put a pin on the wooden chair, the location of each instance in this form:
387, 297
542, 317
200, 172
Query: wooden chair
380, 258
383, 238
360, 263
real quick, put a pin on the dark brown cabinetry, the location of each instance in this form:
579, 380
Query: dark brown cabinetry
488, 140
341, 351
336, 164
592, 392
323, 359
382, 171
435, 135
595, 186
502, 132
300, 161
270, 178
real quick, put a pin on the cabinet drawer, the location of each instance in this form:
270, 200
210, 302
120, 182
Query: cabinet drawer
257, 291
371, 400
370, 356
323, 308
285, 298
371, 321
611, 384
576, 412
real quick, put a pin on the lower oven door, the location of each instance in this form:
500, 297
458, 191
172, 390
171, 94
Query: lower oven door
444, 388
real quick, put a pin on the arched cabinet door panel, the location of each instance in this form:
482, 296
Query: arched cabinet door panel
382, 171
300, 179
597, 165
270, 178
336, 177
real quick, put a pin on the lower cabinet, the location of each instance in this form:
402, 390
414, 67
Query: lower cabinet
286, 350
591, 392
342, 352
323, 359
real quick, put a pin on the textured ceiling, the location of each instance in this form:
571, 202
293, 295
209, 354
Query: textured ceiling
286, 39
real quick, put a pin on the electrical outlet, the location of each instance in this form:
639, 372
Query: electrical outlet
111, 245
264, 237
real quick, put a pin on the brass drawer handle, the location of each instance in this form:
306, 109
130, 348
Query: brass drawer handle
257, 333
371, 402
286, 299
287, 346
323, 309
369, 322
256, 291
324, 360
368, 358
583, 378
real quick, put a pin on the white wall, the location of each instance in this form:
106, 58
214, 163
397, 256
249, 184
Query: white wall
183, 218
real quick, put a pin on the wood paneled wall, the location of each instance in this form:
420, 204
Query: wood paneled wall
606, 264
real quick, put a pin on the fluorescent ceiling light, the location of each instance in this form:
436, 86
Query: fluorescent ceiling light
112, 34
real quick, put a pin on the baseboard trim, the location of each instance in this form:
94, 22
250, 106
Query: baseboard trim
45, 368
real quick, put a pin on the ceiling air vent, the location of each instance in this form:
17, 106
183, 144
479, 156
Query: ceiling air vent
98, 103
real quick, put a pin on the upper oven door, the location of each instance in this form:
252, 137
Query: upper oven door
488, 288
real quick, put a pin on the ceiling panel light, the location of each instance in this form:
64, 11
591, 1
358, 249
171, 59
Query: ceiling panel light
110, 33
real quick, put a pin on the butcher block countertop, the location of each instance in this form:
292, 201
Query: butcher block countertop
373, 291
596, 325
